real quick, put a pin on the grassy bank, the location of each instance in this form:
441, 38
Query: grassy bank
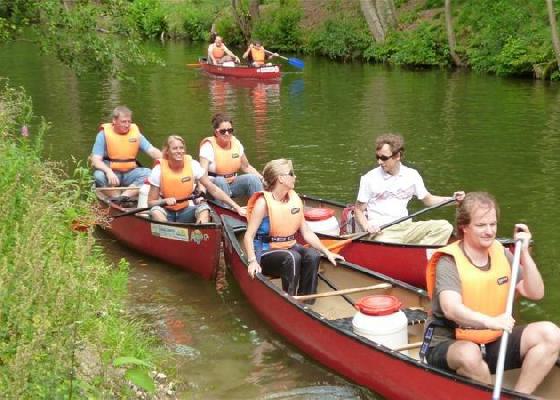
504, 37
62, 326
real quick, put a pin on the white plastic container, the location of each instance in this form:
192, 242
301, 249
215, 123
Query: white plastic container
322, 220
380, 320
143, 195
228, 64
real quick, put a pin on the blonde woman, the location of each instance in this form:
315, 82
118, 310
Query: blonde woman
274, 218
174, 179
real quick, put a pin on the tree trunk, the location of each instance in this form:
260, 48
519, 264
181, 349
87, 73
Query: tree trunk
254, 11
242, 21
554, 30
372, 18
391, 13
451, 34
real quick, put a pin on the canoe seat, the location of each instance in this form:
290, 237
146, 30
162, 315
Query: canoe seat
235, 224
414, 317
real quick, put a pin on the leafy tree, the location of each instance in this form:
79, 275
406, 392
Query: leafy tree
86, 35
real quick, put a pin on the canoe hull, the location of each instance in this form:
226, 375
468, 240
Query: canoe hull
271, 72
352, 356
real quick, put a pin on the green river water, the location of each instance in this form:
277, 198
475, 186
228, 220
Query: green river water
463, 131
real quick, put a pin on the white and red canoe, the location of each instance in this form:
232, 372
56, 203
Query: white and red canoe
266, 72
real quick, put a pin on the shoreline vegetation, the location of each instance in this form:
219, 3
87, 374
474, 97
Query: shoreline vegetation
63, 328
503, 37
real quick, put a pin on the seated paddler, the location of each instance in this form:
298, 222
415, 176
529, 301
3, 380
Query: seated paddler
173, 182
274, 217
115, 150
223, 156
468, 282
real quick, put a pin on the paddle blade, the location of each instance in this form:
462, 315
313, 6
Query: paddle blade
296, 62
335, 245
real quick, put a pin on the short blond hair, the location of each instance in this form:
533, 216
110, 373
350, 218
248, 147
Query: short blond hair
473, 200
166, 144
273, 169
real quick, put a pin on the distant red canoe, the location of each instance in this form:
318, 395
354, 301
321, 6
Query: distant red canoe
242, 71
405, 262
324, 331
194, 248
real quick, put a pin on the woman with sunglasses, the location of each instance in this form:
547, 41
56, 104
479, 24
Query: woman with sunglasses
223, 156
174, 179
385, 192
274, 217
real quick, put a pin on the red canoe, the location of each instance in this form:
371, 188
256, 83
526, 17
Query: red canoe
324, 331
405, 262
194, 248
270, 72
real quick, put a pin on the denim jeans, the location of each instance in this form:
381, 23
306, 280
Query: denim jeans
243, 185
134, 177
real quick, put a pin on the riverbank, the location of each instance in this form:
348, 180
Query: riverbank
503, 37
63, 331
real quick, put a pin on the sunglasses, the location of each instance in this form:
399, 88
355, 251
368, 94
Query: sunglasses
385, 158
226, 130
291, 173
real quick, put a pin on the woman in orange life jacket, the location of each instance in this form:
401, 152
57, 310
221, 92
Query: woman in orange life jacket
218, 53
174, 179
256, 55
274, 217
468, 282
223, 156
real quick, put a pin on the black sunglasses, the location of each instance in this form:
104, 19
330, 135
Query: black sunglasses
385, 158
223, 131
291, 173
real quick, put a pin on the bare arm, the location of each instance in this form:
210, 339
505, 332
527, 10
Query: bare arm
432, 200
97, 162
361, 219
248, 168
217, 193
454, 310
255, 220
532, 285
155, 153
204, 163
229, 53
310, 237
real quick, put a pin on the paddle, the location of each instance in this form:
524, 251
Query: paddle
333, 286
509, 309
296, 62
193, 65
343, 291
158, 203
336, 245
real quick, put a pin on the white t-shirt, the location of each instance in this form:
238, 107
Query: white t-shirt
155, 176
207, 151
387, 195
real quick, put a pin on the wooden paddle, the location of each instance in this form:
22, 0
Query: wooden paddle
296, 62
108, 188
193, 65
336, 245
509, 309
343, 291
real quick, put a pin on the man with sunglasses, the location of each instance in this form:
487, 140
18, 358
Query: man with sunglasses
384, 195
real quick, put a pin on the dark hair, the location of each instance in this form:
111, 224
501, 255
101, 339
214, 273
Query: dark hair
395, 142
471, 201
218, 118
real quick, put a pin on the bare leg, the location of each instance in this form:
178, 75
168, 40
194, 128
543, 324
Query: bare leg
540, 345
203, 217
158, 216
466, 359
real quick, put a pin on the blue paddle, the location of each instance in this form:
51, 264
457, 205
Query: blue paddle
296, 62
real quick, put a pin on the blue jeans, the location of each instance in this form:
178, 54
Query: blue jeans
133, 177
243, 185
185, 215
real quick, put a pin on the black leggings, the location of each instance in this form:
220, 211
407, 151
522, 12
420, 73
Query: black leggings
297, 266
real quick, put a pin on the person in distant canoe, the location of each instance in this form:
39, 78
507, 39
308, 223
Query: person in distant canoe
257, 55
223, 156
385, 192
174, 180
115, 150
274, 217
468, 282
218, 53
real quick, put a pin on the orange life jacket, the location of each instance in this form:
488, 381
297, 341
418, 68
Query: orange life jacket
482, 291
258, 56
122, 149
285, 218
176, 183
218, 52
226, 161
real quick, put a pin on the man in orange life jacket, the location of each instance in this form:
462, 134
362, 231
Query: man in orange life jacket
468, 282
115, 150
218, 53
257, 55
